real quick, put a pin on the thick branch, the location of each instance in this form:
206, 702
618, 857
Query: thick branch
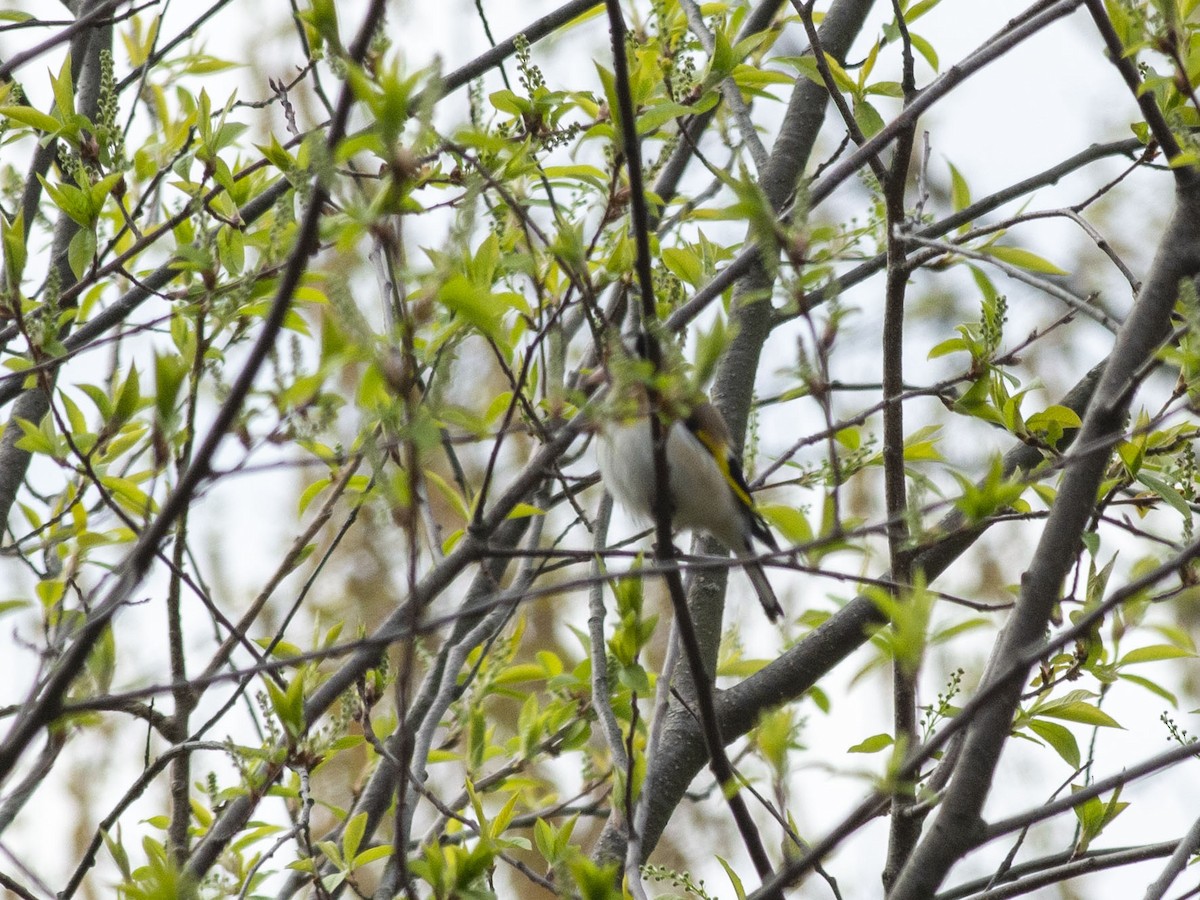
470, 549
992, 50
86, 46
790, 676
732, 394
958, 820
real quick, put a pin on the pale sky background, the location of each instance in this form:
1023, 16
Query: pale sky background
1038, 105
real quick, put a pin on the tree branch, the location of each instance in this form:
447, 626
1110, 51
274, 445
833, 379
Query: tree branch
732, 395
802, 666
957, 821
44, 704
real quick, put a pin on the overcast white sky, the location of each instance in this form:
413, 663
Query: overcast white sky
1039, 104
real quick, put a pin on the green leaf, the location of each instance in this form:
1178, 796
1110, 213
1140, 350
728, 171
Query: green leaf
754, 80
82, 251
873, 744
332, 853
739, 889
722, 60
946, 347
475, 304
277, 155
840, 77
279, 649
524, 511
1152, 686
34, 118
684, 263
661, 113
543, 839
7, 606
1091, 541
450, 493
805, 65
129, 399
102, 661
1094, 815
75, 417
507, 101
850, 438
595, 881
129, 495
1060, 738
1079, 711
64, 90
169, 372
352, 835
71, 200
1024, 259
520, 672
12, 234
635, 678
788, 521
288, 706
1166, 491
609, 83
1154, 653
581, 172
504, 817
117, 850
383, 851
960, 192
99, 192
35, 440
868, 118
992, 494
868, 66
711, 344
917, 10
312, 491
885, 89
925, 48
530, 725
203, 64
773, 738
922, 445
1062, 415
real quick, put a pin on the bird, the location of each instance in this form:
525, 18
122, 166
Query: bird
708, 490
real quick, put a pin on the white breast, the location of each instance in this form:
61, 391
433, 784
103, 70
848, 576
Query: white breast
699, 494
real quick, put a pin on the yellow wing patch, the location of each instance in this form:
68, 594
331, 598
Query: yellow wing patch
720, 455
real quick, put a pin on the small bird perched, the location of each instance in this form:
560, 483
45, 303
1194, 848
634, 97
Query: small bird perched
708, 490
